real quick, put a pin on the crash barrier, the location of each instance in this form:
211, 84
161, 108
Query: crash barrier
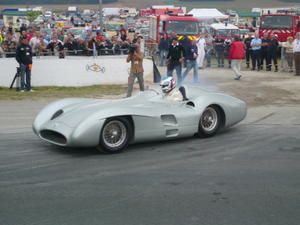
73, 71
86, 52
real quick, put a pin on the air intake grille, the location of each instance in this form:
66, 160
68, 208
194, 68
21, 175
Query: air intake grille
53, 136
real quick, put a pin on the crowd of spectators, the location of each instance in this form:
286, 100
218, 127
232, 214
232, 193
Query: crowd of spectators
259, 53
53, 41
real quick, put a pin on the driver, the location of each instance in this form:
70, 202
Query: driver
170, 92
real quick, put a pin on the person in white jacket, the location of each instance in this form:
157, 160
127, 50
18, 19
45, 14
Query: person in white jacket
201, 51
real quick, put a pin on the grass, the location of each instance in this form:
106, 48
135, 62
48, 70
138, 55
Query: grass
96, 91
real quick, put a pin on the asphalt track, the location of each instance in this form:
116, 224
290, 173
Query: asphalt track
248, 175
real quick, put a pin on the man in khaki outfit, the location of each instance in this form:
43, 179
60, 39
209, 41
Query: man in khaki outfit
135, 56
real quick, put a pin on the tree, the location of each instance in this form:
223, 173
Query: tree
32, 15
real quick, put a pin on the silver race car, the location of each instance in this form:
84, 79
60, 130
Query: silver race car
111, 125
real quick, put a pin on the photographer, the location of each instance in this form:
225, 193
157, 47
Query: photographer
135, 56
24, 58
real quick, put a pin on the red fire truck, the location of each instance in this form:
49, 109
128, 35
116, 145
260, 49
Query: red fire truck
281, 24
157, 10
178, 24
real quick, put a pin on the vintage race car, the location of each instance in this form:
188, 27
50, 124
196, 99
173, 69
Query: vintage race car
111, 125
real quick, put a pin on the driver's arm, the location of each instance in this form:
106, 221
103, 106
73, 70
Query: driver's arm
183, 93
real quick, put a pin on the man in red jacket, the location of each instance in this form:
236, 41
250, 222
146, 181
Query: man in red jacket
236, 55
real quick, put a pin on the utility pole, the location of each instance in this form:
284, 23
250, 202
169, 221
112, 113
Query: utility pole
100, 15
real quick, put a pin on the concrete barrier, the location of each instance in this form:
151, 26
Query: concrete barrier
72, 71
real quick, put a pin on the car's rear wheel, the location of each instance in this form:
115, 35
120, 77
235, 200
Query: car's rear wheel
210, 122
115, 135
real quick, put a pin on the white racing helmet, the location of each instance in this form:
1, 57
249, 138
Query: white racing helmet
167, 84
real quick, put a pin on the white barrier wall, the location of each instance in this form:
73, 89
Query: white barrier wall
73, 71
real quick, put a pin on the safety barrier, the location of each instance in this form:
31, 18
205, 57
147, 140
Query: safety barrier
73, 70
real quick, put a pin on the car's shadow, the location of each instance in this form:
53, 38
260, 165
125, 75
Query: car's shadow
148, 146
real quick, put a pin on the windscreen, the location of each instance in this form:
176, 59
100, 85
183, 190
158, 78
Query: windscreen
276, 22
227, 32
182, 27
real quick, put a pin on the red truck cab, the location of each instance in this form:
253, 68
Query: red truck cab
178, 24
281, 24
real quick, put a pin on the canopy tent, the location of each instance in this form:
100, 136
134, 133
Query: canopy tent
208, 14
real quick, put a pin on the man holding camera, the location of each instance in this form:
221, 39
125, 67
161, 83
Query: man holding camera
24, 58
135, 56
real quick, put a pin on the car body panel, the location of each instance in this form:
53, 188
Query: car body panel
153, 117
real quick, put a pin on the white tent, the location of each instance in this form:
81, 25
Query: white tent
208, 14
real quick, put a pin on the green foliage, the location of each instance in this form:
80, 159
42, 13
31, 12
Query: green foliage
31, 16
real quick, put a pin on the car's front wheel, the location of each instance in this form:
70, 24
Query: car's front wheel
115, 135
210, 122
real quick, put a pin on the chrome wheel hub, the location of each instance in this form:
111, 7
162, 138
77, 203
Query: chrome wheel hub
114, 134
209, 119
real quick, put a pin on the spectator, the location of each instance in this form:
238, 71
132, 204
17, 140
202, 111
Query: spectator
56, 45
70, 44
171, 36
191, 56
23, 28
1, 49
9, 45
247, 43
91, 45
34, 42
219, 49
163, 48
201, 51
208, 49
60, 35
99, 37
265, 51
123, 35
175, 59
10, 29
122, 30
272, 53
82, 47
42, 46
184, 42
237, 53
255, 52
88, 27
227, 44
135, 57
106, 34
289, 55
296, 50
24, 58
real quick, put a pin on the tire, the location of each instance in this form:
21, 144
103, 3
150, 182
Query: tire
210, 122
115, 135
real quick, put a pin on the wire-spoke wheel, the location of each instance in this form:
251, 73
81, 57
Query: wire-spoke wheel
210, 122
115, 135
